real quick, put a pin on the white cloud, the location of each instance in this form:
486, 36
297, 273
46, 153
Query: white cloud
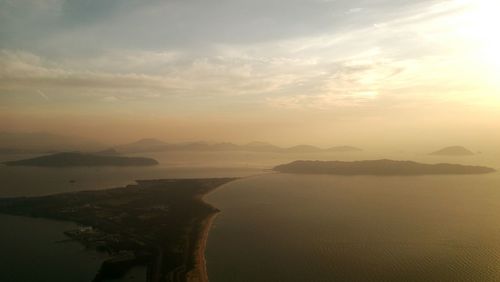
397, 57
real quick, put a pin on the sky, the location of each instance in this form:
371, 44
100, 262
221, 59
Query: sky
323, 72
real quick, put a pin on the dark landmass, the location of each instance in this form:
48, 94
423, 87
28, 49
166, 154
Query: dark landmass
154, 145
378, 167
142, 146
47, 143
83, 159
162, 224
261, 147
453, 151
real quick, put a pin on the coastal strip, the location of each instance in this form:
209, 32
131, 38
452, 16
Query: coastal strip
199, 272
162, 224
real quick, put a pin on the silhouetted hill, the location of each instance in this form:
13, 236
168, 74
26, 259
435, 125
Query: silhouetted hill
82, 159
154, 145
199, 146
142, 145
224, 147
453, 151
260, 147
378, 167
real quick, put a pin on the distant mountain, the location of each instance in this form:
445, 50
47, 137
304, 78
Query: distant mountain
261, 147
224, 147
142, 145
343, 149
453, 151
40, 142
304, 149
82, 159
154, 145
378, 167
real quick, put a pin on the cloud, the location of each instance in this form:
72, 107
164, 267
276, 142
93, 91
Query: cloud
398, 53
26, 70
92, 26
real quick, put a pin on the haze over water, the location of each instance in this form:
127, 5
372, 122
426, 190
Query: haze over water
281, 227
31, 248
398, 79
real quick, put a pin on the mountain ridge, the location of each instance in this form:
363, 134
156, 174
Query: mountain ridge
156, 145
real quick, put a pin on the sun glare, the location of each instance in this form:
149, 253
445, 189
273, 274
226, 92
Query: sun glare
481, 27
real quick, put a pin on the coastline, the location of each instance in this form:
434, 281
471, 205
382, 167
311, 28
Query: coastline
194, 268
200, 272
163, 224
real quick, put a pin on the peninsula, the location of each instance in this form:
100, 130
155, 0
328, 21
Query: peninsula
378, 167
162, 224
83, 159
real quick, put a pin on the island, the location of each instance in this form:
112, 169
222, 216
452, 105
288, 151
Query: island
83, 159
453, 151
161, 224
378, 167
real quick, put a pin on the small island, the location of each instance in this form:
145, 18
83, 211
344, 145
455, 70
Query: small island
453, 151
83, 159
378, 167
162, 224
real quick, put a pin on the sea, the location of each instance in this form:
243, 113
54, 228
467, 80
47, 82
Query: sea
284, 227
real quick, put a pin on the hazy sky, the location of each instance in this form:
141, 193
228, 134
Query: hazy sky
324, 72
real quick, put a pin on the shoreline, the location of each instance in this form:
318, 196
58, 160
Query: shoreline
162, 223
200, 271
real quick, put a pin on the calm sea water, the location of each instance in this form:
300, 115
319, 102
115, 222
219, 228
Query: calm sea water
281, 227
30, 252
33, 250
278, 227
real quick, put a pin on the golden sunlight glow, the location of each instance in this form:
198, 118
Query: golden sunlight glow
481, 25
